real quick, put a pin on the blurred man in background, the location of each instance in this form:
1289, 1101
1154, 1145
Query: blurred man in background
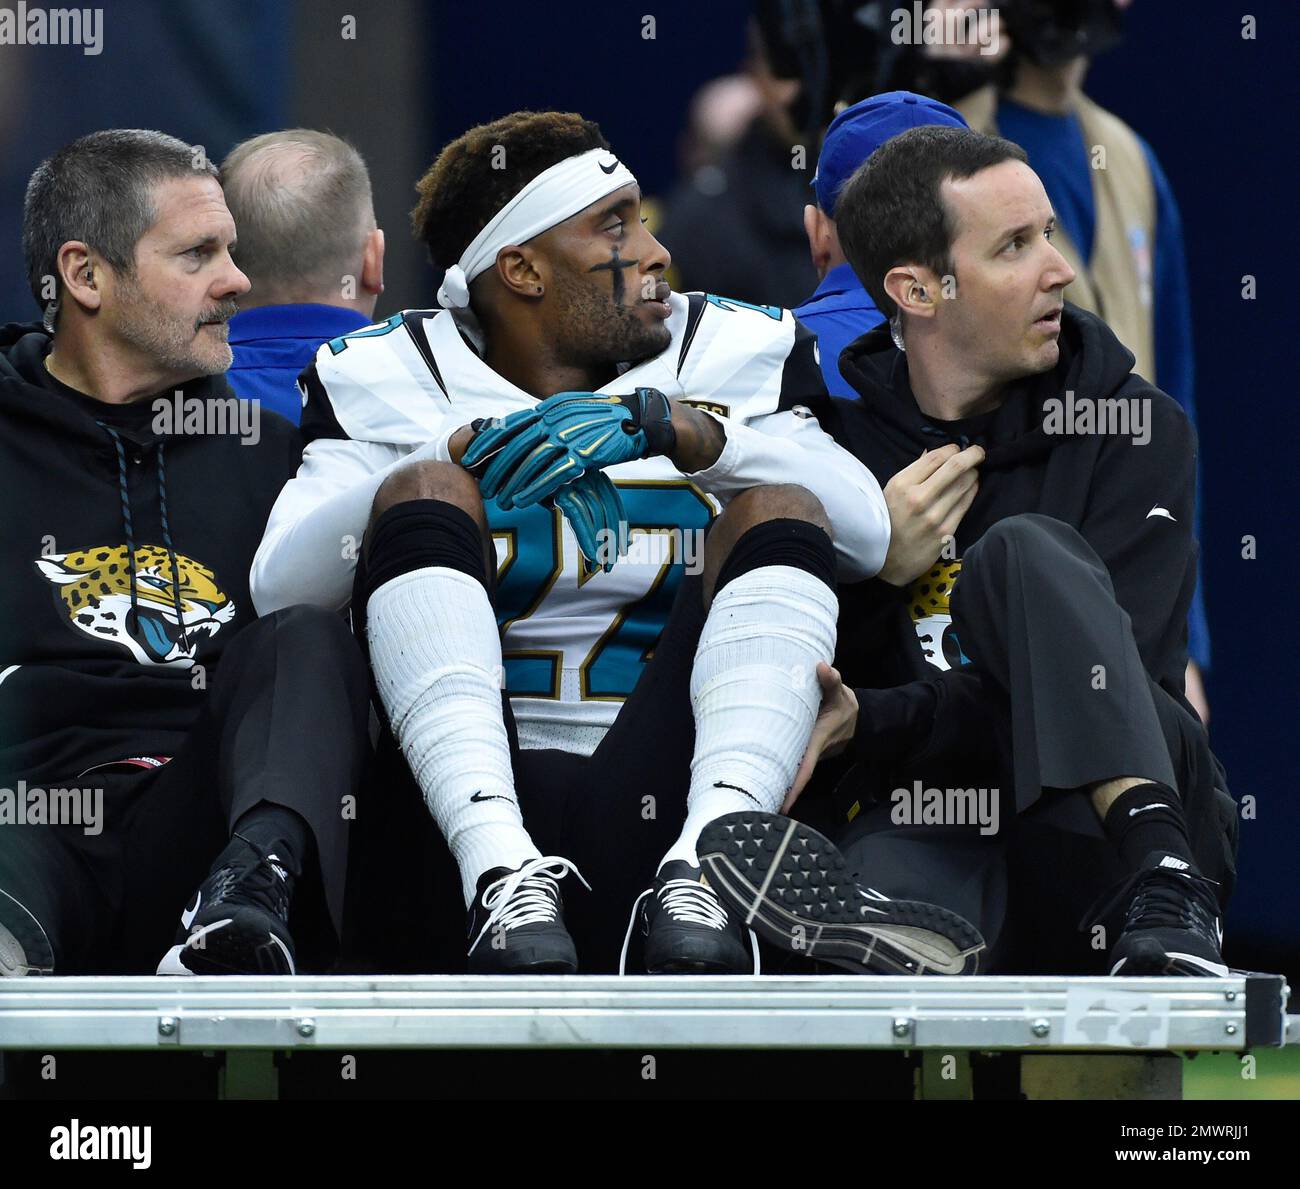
733, 227
310, 248
842, 309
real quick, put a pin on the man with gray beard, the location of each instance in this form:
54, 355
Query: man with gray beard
133, 669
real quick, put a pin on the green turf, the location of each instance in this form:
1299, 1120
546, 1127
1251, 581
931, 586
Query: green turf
1223, 1075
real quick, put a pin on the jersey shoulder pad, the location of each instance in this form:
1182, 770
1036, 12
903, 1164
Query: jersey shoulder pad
381, 383
743, 360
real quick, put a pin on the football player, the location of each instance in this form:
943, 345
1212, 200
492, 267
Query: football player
515, 489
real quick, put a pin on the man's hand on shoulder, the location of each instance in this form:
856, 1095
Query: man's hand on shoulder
926, 502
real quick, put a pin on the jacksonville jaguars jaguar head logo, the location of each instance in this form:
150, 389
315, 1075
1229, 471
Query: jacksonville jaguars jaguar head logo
93, 589
928, 603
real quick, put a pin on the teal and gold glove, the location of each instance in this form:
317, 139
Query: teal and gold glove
529, 455
594, 509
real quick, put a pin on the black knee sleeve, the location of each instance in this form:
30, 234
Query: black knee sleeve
416, 534
781, 543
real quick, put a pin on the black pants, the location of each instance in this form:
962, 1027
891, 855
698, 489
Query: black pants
614, 814
285, 723
1035, 610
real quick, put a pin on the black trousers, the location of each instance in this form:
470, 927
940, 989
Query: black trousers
285, 723
1067, 703
613, 814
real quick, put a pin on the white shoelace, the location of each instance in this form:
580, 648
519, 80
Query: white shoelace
695, 903
690, 901
528, 896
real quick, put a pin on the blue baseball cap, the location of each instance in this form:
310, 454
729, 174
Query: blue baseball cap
858, 131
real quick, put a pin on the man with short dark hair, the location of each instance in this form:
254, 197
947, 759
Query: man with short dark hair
533, 468
135, 685
311, 250
1042, 562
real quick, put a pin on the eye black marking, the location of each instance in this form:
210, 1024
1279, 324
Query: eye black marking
615, 265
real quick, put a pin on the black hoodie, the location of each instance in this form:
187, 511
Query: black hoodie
95, 665
1132, 503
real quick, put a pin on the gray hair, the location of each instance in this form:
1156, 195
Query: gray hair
302, 206
98, 190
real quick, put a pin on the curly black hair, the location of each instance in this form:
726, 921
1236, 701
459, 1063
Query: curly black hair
479, 172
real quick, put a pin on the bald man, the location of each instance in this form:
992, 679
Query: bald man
309, 245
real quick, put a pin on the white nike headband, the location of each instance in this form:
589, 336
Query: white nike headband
552, 196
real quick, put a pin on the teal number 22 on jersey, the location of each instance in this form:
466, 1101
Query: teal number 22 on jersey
608, 624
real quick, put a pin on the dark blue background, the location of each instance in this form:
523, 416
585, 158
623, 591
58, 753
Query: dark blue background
1219, 111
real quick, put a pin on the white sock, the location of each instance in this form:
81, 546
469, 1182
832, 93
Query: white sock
436, 656
755, 693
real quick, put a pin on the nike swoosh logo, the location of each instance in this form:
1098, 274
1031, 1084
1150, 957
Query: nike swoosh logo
608, 168
481, 796
722, 784
188, 915
1143, 809
1159, 511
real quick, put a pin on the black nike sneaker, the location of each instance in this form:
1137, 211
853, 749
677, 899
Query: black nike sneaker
687, 929
791, 885
516, 924
239, 920
1171, 925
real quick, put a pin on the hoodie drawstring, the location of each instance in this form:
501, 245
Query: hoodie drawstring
167, 543
125, 495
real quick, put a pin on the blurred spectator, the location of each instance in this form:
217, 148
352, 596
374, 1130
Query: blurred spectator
841, 309
733, 227
1117, 222
309, 245
720, 113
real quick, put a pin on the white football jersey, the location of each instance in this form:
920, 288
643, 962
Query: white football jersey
574, 638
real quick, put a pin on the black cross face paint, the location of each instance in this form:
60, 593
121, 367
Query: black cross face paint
615, 265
